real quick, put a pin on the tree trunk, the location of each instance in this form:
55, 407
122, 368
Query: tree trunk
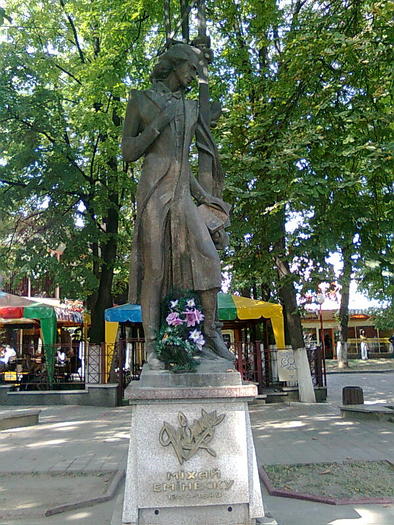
92, 298
245, 291
288, 297
109, 247
265, 292
344, 309
287, 292
108, 254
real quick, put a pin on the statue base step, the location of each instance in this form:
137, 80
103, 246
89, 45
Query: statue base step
191, 458
118, 510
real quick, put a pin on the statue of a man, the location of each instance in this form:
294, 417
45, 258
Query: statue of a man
173, 248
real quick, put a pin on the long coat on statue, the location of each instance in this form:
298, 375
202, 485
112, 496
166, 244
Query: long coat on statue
172, 246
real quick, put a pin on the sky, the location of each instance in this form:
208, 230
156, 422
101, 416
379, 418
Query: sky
357, 301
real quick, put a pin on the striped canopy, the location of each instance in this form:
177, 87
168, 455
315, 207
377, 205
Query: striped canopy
14, 308
230, 308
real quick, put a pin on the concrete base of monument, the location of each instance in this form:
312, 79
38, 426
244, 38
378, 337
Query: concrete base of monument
191, 458
211, 515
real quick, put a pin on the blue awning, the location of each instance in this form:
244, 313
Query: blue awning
124, 313
230, 307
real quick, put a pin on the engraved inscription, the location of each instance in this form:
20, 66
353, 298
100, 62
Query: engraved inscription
200, 484
213, 473
189, 439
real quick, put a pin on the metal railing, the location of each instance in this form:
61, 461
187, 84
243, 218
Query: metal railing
117, 363
376, 345
260, 365
122, 362
249, 362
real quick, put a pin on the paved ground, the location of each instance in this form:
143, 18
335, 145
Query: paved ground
96, 515
312, 433
378, 387
358, 365
69, 439
90, 438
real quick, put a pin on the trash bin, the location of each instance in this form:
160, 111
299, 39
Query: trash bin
352, 395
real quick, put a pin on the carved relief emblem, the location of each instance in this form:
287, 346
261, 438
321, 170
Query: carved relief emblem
189, 439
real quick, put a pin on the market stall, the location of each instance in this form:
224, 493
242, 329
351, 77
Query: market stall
240, 315
47, 314
230, 307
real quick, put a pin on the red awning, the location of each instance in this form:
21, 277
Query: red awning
11, 312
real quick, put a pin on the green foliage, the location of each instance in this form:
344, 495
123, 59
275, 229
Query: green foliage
66, 67
383, 317
305, 138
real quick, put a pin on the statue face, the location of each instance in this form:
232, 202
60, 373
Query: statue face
185, 73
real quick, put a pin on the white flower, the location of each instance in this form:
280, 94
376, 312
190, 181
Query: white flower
194, 335
190, 303
197, 338
173, 304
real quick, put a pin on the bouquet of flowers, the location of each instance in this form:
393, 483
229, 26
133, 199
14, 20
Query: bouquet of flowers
180, 337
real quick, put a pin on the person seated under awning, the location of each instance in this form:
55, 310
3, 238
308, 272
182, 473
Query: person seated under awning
7, 353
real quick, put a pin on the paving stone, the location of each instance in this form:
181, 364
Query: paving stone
92, 437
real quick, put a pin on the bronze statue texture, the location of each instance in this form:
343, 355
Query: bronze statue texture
174, 244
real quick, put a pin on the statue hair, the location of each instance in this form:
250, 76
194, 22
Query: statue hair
176, 55
165, 66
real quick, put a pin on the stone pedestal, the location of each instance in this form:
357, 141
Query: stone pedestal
191, 458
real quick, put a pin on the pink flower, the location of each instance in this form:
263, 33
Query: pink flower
173, 319
193, 317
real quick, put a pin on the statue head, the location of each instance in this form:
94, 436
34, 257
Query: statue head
175, 57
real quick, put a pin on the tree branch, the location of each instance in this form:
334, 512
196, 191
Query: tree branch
53, 142
69, 74
95, 147
74, 30
13, 183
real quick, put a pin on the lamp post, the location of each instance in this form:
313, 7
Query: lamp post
58, 252
320, 300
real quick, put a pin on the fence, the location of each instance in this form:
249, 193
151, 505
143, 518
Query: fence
254, 362
117, 363
376, 346
122, 362
250, 361
261, 365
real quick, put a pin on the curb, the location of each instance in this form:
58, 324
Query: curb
109, 494
317, 499
30, 513
385, 371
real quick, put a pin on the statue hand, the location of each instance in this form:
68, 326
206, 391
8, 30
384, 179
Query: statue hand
164, 117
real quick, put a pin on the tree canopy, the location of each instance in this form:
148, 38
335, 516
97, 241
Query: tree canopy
305, 139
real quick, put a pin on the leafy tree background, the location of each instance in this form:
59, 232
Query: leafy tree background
305, 136
308, 136
65, 71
